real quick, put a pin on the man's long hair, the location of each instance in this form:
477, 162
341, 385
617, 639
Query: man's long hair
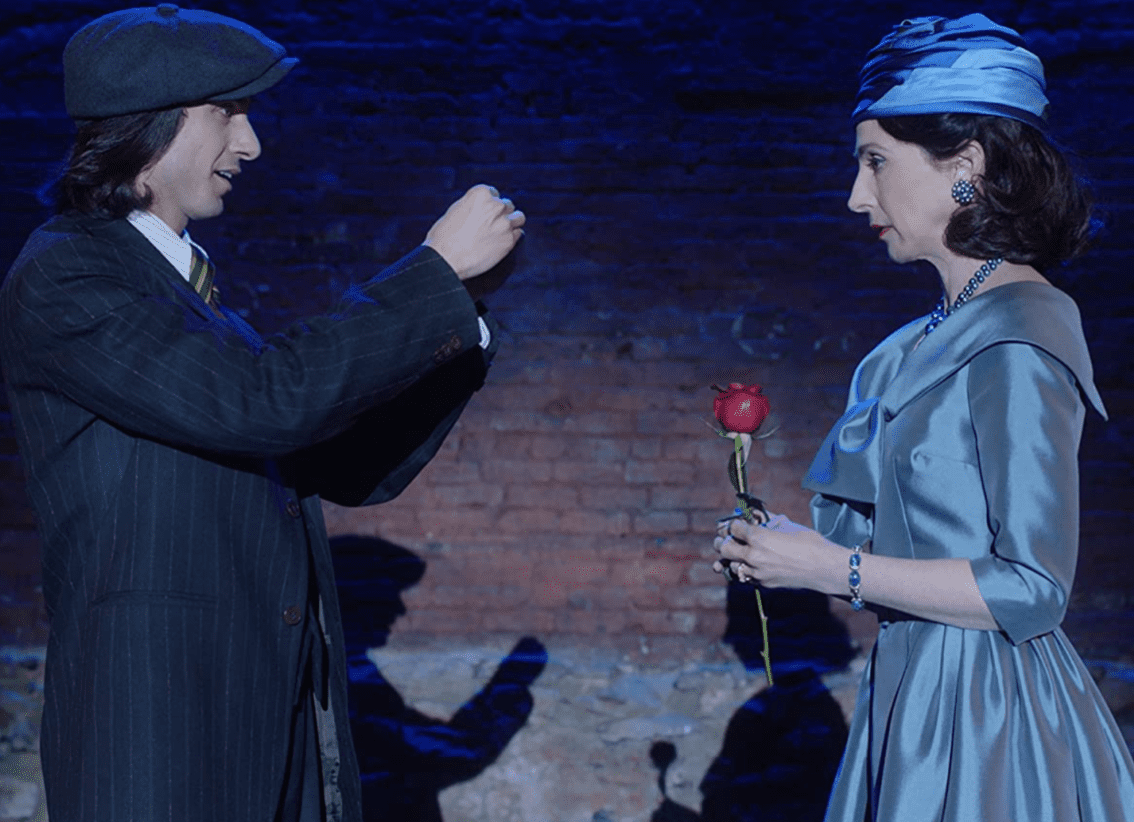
107, 156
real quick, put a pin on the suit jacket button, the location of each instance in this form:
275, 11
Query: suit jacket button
292, 508
447, 350
292, 615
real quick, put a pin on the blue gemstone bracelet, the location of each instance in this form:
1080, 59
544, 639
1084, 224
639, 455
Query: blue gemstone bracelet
854, 578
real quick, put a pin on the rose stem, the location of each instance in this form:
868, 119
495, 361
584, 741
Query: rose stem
764, 628
741, 478
746, 512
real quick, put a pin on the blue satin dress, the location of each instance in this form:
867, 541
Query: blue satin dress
966, 445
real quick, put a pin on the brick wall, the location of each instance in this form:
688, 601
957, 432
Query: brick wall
685, 168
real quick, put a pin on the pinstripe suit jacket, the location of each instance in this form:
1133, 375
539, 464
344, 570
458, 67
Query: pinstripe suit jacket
175, 463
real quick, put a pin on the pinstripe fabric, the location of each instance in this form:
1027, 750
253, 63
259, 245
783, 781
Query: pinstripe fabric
175, 462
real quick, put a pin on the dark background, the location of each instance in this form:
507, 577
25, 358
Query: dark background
685, 167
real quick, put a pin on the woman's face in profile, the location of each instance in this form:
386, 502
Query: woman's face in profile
906, 194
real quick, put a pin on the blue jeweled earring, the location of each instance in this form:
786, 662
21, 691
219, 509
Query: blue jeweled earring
964, 192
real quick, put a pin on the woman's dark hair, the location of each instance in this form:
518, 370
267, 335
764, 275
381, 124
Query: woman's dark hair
1030, 207
106, 158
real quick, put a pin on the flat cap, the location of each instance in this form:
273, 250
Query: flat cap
146, 59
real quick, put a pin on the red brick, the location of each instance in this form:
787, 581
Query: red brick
469, 597
719, 497
710, 596
523, 421
512, 446
597, 449
661, 522
704, 521
590, 623
669, 423
647, 597
689, 547
664, 622
497, 567
595, 522
528, 521
554, 496
678, 597
712, 622
660, 572
646, 448
449, 448
658, 472
550, 592
474, 495
702, 573
714, 450
573, 571
613, 497
526, 621
458, 521
587, 473
546, 447
477, 442
462, 471
436, 621
601, 422
512, 471
632, 399
525, 396
375, 521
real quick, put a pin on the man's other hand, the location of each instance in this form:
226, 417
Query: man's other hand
477, 231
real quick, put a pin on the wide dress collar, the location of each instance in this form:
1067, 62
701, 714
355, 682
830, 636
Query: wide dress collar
899, 371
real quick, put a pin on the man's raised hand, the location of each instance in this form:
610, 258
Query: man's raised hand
477, 231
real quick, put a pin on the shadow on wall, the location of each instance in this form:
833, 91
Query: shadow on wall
782, 748
407, 758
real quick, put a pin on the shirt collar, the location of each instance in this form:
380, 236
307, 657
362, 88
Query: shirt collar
178, 250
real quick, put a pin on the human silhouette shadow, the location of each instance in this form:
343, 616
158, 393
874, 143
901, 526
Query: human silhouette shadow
406, 757
783, 746
663, 754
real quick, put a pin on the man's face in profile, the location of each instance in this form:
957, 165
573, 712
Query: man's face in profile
189, 181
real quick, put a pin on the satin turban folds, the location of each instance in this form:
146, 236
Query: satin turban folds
970, 65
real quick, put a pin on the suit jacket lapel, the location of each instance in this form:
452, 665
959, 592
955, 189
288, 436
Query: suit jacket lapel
161, 275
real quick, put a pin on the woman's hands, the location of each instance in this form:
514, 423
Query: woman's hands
781, 554
784, 554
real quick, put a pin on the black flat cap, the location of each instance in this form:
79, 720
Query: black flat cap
153, 58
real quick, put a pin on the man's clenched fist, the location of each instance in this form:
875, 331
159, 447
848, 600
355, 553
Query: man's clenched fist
477, 231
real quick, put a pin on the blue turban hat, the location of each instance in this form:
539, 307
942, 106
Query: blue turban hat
933, 65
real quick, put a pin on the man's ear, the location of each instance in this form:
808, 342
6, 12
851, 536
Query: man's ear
141, 190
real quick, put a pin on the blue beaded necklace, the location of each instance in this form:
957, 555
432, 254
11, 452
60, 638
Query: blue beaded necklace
941, 311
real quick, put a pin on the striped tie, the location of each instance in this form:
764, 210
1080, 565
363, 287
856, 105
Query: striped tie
201, 273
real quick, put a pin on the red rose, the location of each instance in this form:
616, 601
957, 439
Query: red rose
740, 409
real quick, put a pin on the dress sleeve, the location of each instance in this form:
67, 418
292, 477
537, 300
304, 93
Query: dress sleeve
1027, 415
843, 522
